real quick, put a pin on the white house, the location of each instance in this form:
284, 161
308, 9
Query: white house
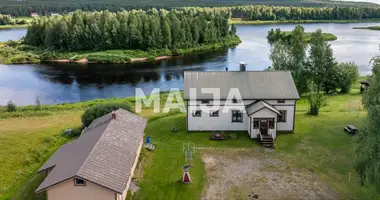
267, 104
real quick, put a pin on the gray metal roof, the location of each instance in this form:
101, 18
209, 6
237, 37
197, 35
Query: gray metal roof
260, 85
104, 154
258, 105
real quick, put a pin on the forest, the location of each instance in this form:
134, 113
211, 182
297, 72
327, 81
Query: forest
136, 29
247, 9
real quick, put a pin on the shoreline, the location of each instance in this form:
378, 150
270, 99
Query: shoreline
85, 60
239, 21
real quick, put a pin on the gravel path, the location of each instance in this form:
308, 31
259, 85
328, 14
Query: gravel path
259, 174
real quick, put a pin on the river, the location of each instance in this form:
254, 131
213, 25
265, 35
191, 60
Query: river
60, 83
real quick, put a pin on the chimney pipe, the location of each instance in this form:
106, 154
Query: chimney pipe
114, 115
226, 69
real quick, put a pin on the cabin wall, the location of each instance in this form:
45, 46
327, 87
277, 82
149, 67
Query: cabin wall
67, 190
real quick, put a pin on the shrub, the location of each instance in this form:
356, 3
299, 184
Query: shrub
346, 75
316, 99
96, 111
11, 107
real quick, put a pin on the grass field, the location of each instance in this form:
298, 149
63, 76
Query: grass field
318, 145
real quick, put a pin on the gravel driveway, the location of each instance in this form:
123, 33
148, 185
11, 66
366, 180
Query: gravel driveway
259, 174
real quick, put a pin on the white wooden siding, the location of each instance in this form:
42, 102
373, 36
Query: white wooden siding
224, 121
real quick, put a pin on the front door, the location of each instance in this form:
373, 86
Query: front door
264, 126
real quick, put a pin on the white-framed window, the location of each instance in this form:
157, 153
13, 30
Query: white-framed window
79, 182
205, 101
214, 113
282, 117
237, 116
197, 113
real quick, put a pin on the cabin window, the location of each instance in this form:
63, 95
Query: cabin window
271, 123
205, 101
282, 117
234, 100
280, 101
255, 123
237, 116
214, 113
79, 182
197, 113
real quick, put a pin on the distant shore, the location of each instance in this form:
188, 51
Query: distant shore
373, 28
258, 22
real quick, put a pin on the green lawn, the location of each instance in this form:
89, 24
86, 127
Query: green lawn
318, 145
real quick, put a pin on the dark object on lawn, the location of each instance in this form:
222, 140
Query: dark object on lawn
364, 85
175, 129
68, 131
233, 135
148, 140
256, 196
217, 135
351, 129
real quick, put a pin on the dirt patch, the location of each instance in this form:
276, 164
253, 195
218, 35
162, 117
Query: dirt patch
259, 174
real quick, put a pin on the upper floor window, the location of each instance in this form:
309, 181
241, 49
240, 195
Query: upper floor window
280, 101
205, 101
214, 113
282, 117
79, 182
197, 113
237, 116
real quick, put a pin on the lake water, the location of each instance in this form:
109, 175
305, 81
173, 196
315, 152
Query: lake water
58, 83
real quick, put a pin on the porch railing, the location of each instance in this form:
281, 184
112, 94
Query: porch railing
272, 134
261, 137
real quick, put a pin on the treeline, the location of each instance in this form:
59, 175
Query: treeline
246, 12
8, 20
136, 29
260, 12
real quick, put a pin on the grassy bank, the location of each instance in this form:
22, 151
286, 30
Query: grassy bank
258, 22
17, 53
374, 28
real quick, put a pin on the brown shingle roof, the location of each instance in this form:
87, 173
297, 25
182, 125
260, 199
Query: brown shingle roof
104, 154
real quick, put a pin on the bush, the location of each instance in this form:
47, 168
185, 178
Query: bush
316, 99
347, 74
96, 111
11, 107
